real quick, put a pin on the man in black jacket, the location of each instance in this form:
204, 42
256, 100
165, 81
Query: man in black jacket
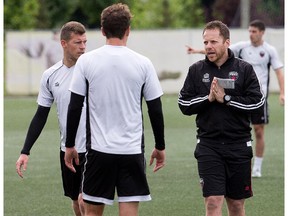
223, 91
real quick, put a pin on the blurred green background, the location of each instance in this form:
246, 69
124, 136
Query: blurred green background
148, 14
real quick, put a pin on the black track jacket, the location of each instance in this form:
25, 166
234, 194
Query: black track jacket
217, 122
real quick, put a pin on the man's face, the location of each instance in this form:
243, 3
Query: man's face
215, 46
76, 46
255, 35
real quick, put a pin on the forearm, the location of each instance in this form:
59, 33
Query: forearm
280, 78
192, 105
73, 118
37, 124
157, 122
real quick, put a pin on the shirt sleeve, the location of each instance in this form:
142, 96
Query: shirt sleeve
190, 100
78, 82
45, 96
152, 88
275, 60
237, 47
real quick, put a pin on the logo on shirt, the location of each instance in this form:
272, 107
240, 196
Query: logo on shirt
233, 75
57, 84
262, 53
206, 78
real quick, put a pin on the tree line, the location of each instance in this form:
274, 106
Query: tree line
148, 14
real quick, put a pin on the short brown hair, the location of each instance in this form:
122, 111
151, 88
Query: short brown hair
71, 27
115, 20
258, 24
223, 28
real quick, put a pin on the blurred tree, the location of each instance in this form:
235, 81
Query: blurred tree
270, 11
191, 13
148, 14
92, 10
208, 9
227, 13
20, 15
152, 14
54, 13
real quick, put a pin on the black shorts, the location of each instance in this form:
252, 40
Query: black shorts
261, 116
72, 181
225, 169
103, 173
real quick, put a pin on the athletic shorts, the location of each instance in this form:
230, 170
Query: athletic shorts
103, 173
261, 117
72, 181
225, 169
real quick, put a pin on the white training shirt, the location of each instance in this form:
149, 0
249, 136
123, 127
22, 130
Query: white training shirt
54, 86
259, 57
118, 78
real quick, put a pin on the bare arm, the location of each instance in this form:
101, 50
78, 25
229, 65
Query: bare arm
280, 78
191, 50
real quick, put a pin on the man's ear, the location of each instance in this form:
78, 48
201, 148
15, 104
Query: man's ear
63, 43
227, 42
128, 31
102, 30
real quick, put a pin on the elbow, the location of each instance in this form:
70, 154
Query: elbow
185, 110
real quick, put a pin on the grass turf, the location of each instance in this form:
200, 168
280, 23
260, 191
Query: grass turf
175, 189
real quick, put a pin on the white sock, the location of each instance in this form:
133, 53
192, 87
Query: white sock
258, 163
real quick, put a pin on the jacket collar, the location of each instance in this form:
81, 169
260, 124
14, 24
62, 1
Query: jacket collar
228, 61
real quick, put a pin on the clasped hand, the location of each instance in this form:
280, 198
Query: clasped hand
216, 92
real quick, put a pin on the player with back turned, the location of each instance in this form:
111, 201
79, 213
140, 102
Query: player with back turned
115, 80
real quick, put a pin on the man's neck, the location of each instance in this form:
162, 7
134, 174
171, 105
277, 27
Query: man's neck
258, 43
116, 42
68, 62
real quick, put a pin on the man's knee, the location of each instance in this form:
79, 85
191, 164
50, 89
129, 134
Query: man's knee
235, 207
214, 203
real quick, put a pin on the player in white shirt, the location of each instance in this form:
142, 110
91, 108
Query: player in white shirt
115, 79
54, 87
261, 56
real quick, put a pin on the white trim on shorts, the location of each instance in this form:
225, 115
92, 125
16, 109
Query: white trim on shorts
97, 199
135, 198
120, 199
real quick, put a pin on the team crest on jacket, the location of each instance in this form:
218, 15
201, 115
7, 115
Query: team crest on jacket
233, 75
206, 78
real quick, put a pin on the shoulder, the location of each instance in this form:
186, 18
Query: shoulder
89, 54
269, 48
242, 64
240, 45
137, 55
198, 66
47, 73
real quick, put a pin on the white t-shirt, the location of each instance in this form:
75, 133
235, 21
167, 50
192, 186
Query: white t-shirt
118, 78
55, 87
260, 58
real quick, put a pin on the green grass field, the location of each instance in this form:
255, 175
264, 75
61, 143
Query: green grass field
175, 189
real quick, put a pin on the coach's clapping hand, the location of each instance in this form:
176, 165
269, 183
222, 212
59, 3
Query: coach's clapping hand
159, 155
70, 155
21, 163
